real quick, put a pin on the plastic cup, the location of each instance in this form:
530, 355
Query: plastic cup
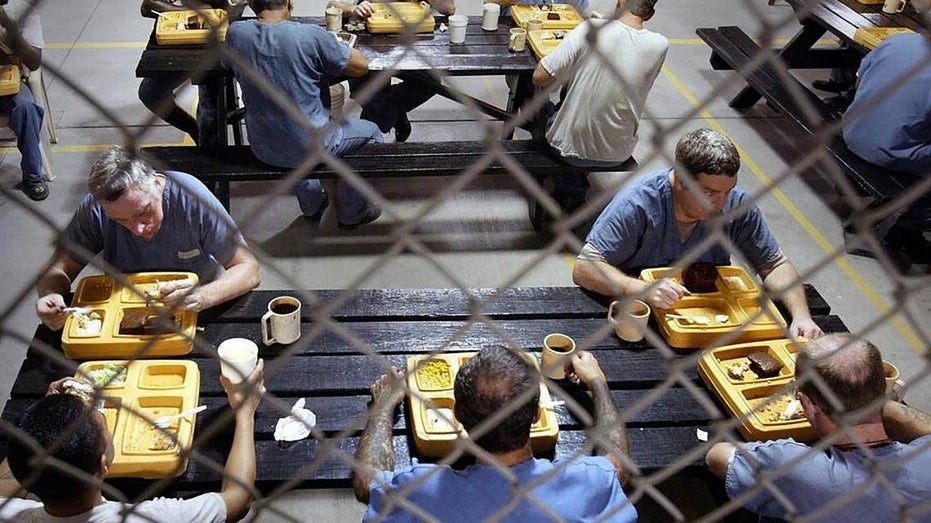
457, 28
238, 357
490, 14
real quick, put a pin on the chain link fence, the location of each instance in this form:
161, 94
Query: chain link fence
646, 487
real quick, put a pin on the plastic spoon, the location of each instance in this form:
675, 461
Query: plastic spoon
76, 310
165, 421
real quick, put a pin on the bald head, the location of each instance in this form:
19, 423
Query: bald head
850, 368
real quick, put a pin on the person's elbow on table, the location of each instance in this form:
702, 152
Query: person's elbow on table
542, 77
358, 65
719, 457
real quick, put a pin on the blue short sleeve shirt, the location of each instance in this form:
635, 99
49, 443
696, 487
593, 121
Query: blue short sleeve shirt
638, 229
197, 234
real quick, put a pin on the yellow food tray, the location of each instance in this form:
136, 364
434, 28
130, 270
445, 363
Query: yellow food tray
545, 41
394, 17
757, 402
870, 37
553, 16
738, 304
9, 79
151, 389
189, 27
430, 382
113, 302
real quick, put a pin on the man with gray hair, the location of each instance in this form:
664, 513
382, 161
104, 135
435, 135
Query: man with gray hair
841, 386
658, 219
143, 220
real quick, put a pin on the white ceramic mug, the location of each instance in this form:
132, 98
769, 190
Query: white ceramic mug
282, 322
518, 40
334, 18
238, 357
630, 321
557, 348
894, 6
534, 24
490, 14
457, 28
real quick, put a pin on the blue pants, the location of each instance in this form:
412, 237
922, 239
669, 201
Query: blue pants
352, 204
25, 119
158, 95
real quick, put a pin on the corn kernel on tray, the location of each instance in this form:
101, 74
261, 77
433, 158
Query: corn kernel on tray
133, 399
545, 41
190, 27
394, 17
699, 320
870, 37
553, 16
430, 382
766, 408
122, 320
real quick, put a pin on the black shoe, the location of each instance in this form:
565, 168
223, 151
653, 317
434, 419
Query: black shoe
317, 216
831, 86
372, 212
839, 103
402, 128
36, 191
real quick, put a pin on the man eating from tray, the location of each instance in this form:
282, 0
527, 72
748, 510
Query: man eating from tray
662, 217
142, 220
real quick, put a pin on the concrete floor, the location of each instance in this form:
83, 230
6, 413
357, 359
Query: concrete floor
480, 237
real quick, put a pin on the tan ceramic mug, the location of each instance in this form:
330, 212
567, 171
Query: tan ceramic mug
892, 376
557, 348
334, 18
518, 39
282, 322
534, 24
894, 6
630, 321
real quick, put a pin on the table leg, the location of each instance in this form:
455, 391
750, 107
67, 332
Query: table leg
800, 44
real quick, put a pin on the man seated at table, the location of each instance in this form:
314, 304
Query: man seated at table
275, 56
574, 488
143, 220
388, 106
892, 129
75, 435
158, 93
609, 67
869, 438
657, 219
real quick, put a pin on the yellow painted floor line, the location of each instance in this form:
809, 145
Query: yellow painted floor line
872, 295
779, 41
96, 45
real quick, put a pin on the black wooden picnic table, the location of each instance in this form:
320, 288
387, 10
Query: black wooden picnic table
348, 340
483, 53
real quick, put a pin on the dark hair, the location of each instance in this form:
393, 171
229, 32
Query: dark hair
851, 368
642, 8
704, 151
490, 381
65, 426
265, 5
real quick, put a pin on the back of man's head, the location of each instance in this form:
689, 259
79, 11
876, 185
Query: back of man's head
498, 379
267, 5
851, 369
117, 171
705, 151
63, 426
642, 8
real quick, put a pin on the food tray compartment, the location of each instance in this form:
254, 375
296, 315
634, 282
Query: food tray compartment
141, 436
111, 410
770, 404
735, 280
750, 308
94, 289
438, 417
105, 374
90, 325
730, 355
553, 16
870, 37
396, 17
701, 313
433, 375
163, 376
145, 287
190, 27
545, 41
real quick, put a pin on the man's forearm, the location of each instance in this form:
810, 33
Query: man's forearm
784, 279
376, 449
603, 278
612, 442
239, 473
904, 423
239, 278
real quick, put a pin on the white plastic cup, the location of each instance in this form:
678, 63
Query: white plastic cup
238, 357
457, 28
490, 14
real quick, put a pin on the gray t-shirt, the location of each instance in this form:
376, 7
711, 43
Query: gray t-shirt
600, 113
27, 19
206, 508
197, 234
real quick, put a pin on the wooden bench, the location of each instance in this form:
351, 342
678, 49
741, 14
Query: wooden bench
734, 49
219, 167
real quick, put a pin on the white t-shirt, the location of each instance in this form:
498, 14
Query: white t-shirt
600, 114
206, 508
29, 25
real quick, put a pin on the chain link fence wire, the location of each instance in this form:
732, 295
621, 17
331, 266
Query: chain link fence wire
561, 237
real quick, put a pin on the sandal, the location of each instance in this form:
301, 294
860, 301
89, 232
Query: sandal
37, 191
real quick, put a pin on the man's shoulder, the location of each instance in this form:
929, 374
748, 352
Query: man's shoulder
587, 464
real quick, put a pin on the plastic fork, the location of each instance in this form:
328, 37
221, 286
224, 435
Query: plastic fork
164, 422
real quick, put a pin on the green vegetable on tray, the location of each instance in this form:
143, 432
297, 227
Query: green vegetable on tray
110, 375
